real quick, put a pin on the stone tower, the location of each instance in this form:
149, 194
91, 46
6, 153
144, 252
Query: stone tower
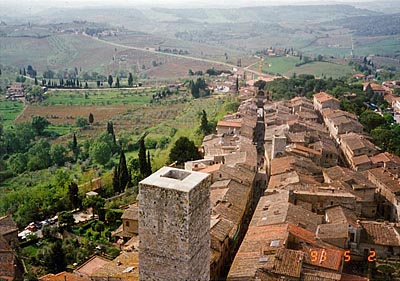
174, 226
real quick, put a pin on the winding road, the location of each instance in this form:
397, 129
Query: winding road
247, 68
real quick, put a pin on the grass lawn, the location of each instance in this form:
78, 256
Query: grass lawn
279, 65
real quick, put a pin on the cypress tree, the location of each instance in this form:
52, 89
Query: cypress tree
123, 176
148, 164
143, 167
204, 127
237, 85
75, 148
91, 118
130, 80
73, 195
110, 130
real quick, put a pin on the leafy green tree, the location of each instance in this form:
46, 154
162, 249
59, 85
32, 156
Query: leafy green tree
30, 276
95, 202
58, 154
81, 122
184, 150
91, 118
382, 138
110, 80
18, 162
39, 124
50, 232
130, 80
100, 152
19, 138
112, 216
66, 219
39, 156
52, 257
371, 120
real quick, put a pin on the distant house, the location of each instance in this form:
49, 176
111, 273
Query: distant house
388, 192
229, 127
383, 237
357, 150
359, 76
376, 88
129, 227
323, 100
16, 92
342, 228
341, 122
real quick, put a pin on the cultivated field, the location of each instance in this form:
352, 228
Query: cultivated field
9, 111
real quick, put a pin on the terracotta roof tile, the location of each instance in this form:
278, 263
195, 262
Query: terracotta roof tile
91, 266
380, 233
288, 262
323, 97
63, 276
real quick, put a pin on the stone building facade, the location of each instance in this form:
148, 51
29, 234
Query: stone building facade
174, 225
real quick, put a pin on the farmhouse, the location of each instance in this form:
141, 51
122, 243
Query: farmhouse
376, 88
16, 92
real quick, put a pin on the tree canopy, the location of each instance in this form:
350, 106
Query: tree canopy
39, 124
184, 150
371, 120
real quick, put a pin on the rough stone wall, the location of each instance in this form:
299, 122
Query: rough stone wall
278, 146
174, 232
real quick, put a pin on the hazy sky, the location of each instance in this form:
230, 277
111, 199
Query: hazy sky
182, 3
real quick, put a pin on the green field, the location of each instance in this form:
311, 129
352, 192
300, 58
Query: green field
9, 110
287, 66
321, 69
101, 97
279, 65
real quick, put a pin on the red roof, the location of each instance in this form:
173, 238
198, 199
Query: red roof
323, 97
317, 253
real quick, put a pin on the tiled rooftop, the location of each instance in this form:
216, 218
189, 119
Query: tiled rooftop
380, 233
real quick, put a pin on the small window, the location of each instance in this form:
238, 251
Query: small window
127, 223
274, 243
